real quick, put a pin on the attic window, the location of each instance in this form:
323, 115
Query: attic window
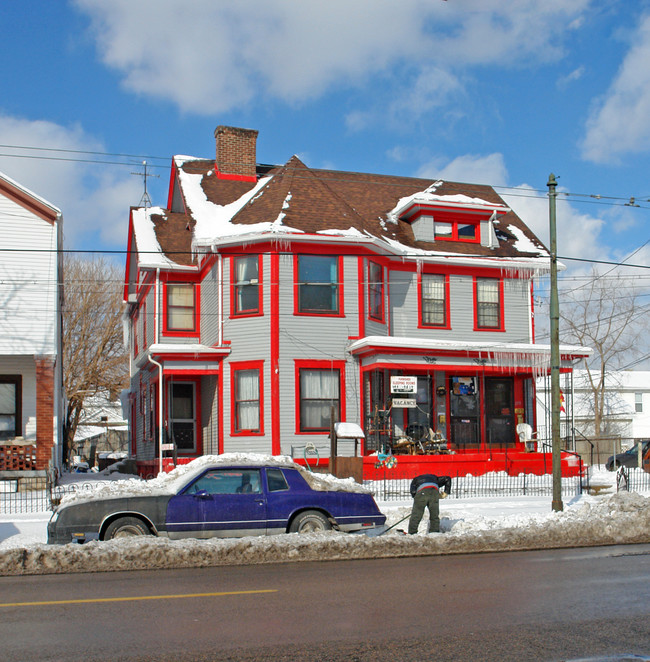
457, 231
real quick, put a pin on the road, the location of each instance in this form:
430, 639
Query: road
541, 605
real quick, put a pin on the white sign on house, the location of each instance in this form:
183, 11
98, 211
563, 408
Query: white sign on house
404, 403
403, 384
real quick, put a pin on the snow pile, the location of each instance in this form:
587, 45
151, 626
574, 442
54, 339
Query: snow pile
621, 518
170, 483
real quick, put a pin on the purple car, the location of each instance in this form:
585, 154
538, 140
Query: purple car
216, 497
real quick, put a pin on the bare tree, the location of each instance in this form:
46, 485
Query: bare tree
95, 360
605, 315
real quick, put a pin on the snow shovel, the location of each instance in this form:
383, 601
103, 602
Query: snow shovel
380, 530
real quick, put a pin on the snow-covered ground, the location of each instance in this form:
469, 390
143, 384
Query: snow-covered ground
468, 525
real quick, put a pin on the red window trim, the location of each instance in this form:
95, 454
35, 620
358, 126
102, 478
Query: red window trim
301, 364
236, 366
447, 324
501, 326
454, 231
136, 317
296, 289
195, 332
259, 311
382, 314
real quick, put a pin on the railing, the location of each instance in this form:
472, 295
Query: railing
631, 480
487, 485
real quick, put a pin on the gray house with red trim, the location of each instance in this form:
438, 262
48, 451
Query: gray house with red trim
261, 297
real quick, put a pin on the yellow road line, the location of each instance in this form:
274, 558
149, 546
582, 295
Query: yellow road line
137, 597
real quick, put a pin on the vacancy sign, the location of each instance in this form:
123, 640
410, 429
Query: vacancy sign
401, 384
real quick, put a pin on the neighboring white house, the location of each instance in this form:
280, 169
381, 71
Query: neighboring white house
31, 292
626, 413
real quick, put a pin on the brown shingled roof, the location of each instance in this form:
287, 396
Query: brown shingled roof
337, 200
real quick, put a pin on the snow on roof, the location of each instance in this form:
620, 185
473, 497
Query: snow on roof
398, 342
523, 243
149, 252
429, 197
24, 189
170, 483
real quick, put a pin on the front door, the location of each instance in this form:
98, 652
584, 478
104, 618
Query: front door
499, 411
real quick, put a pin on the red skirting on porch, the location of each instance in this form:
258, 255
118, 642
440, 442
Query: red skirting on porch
476, 464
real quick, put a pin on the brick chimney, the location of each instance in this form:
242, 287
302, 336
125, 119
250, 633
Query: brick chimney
236, 153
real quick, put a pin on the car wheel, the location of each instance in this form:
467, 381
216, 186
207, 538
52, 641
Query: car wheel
311, 521
125, 527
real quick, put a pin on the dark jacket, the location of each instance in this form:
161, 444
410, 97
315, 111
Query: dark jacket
443, 482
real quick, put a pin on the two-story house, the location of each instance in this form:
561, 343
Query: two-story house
31, 294
264, 301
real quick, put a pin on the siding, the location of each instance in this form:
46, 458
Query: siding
28, 282
404, 310
251, 341
318, 339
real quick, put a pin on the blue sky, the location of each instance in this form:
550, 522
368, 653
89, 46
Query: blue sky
484, 91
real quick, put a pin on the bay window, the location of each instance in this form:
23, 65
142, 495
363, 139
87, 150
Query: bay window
246, 399
181, 307
246, 285
318, 284
318, 391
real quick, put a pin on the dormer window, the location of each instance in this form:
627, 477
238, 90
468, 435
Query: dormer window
457, 231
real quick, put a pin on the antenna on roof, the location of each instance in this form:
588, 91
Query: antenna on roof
145, 200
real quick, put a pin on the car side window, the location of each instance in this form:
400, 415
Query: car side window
227, 481
275, 480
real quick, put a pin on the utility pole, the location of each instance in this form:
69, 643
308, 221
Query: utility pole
555, 353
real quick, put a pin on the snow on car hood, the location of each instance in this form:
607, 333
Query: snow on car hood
170, 483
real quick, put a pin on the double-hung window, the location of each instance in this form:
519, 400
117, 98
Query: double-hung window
246, 396
375, 291
246, 285
318, 284
181, 307
489, 303
318, 391
434, 303
10, 406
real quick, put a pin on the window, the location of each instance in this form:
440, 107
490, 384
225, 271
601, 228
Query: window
456, 230
180, 307
227, 481
638, 403
246, 285
10, 406
183, 416
434, 300
489, 303
376, 291
318, 391
246, 399
275, 480
318, 285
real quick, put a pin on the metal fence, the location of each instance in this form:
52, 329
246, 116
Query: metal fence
488, 485
632, 480
24, 495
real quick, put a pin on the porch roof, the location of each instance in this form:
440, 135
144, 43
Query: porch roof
482, 349
187, 352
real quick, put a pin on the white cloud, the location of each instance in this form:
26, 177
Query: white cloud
490, 169
620, 121
564, 81
93, 198
209, 57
